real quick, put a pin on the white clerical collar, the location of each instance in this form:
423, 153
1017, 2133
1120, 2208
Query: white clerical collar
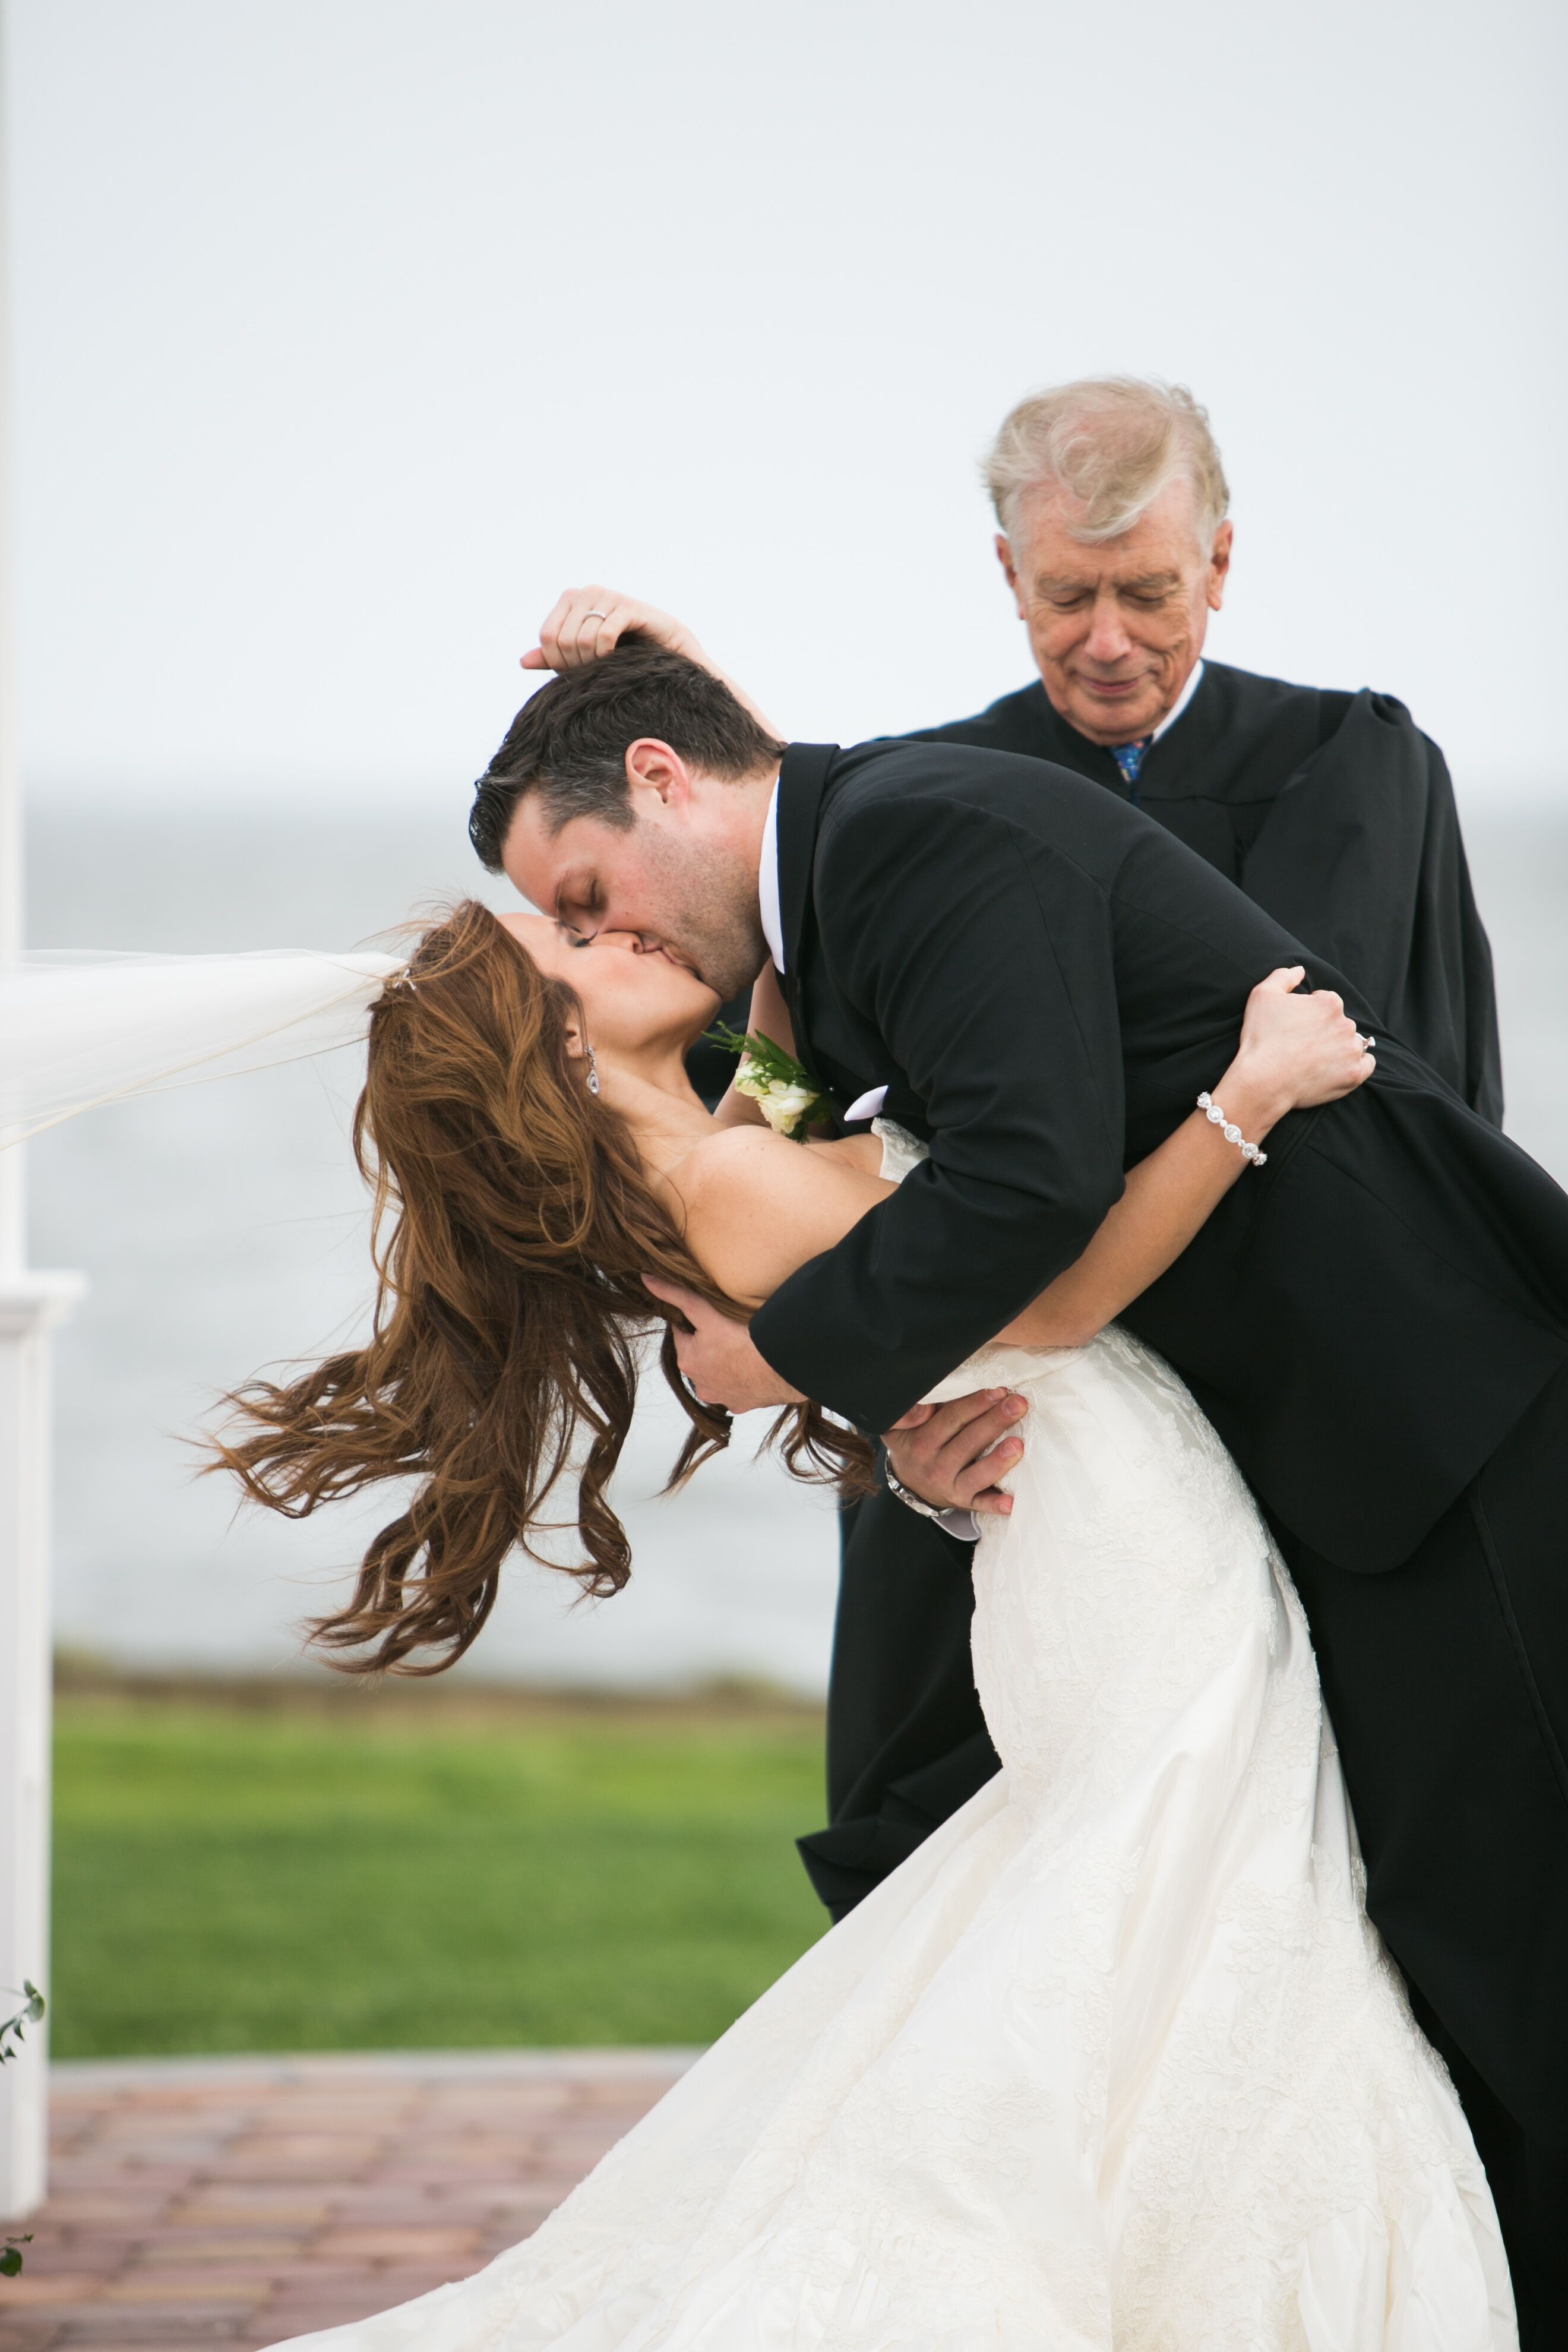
1180, 703
768, 883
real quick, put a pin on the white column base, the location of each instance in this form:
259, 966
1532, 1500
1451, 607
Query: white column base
29, 1305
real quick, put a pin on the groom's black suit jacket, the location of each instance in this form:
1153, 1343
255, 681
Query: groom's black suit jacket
1045, 978
1334, 813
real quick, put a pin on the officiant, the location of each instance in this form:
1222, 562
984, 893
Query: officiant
1329, 808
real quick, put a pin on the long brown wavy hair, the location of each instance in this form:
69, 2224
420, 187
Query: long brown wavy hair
512, 1226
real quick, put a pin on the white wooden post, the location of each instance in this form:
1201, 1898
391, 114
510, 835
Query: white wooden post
13, 1214
29, 1303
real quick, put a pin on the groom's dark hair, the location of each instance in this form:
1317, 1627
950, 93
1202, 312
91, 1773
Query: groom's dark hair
569, 742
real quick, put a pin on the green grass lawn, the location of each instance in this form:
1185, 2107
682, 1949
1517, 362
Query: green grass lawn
370, 1876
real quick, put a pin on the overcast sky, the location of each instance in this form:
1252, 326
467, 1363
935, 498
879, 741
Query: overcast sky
347, 332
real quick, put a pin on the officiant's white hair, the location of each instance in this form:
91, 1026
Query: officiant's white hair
1114, 442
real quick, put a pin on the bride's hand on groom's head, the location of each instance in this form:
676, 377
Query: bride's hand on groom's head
585, 624
951, 1455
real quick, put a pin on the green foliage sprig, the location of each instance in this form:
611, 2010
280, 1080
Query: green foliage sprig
12, 2033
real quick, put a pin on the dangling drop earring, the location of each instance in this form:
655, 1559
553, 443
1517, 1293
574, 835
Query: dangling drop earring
592, 1071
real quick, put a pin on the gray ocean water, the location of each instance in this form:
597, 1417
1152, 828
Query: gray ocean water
222, 1228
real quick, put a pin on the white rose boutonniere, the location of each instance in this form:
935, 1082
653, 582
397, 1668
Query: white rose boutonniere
775, 1080
782, 1106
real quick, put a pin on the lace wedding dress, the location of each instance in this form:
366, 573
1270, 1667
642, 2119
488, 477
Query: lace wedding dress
1115, 2060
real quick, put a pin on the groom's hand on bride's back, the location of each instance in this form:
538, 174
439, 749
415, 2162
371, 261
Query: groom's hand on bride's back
949, 1454
952, 1454
716, 1355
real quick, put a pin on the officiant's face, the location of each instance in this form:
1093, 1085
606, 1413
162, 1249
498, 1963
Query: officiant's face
1117, 626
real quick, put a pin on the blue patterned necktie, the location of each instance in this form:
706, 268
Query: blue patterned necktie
1129, 758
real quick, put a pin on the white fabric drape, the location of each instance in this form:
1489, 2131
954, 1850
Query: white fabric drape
78, 1030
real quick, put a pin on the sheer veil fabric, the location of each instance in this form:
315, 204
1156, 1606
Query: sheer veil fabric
79, 1030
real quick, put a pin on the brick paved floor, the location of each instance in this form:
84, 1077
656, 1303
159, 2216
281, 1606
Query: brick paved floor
239, 2201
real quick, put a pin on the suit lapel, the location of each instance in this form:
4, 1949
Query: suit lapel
803, 782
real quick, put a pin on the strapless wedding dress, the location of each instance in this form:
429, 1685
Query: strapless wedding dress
1115, 2060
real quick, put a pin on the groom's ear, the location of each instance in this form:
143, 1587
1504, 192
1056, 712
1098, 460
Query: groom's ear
652, 767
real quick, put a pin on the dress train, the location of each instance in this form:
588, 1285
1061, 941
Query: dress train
1115, 2060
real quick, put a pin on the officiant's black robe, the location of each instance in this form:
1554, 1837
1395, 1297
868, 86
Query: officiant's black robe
1336, 815
1044, 979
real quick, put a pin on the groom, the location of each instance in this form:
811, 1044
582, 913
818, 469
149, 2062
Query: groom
1377, 1321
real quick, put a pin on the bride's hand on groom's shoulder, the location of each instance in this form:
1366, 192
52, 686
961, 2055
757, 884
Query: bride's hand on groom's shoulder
1298, 1049
584, 625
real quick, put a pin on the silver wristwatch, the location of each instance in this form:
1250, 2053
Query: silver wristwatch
953, 1522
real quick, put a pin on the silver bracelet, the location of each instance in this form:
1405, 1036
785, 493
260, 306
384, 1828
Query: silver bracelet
1232, 1133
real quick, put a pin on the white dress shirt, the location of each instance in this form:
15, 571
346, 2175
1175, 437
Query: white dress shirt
768, 883
1181, 702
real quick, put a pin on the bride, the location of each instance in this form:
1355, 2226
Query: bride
1115, 2059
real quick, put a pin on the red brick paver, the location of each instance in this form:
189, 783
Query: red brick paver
239, 2201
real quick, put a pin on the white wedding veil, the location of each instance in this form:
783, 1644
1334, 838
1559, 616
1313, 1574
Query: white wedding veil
78, 1030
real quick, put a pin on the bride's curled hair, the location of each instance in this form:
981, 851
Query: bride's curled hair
513, 1226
